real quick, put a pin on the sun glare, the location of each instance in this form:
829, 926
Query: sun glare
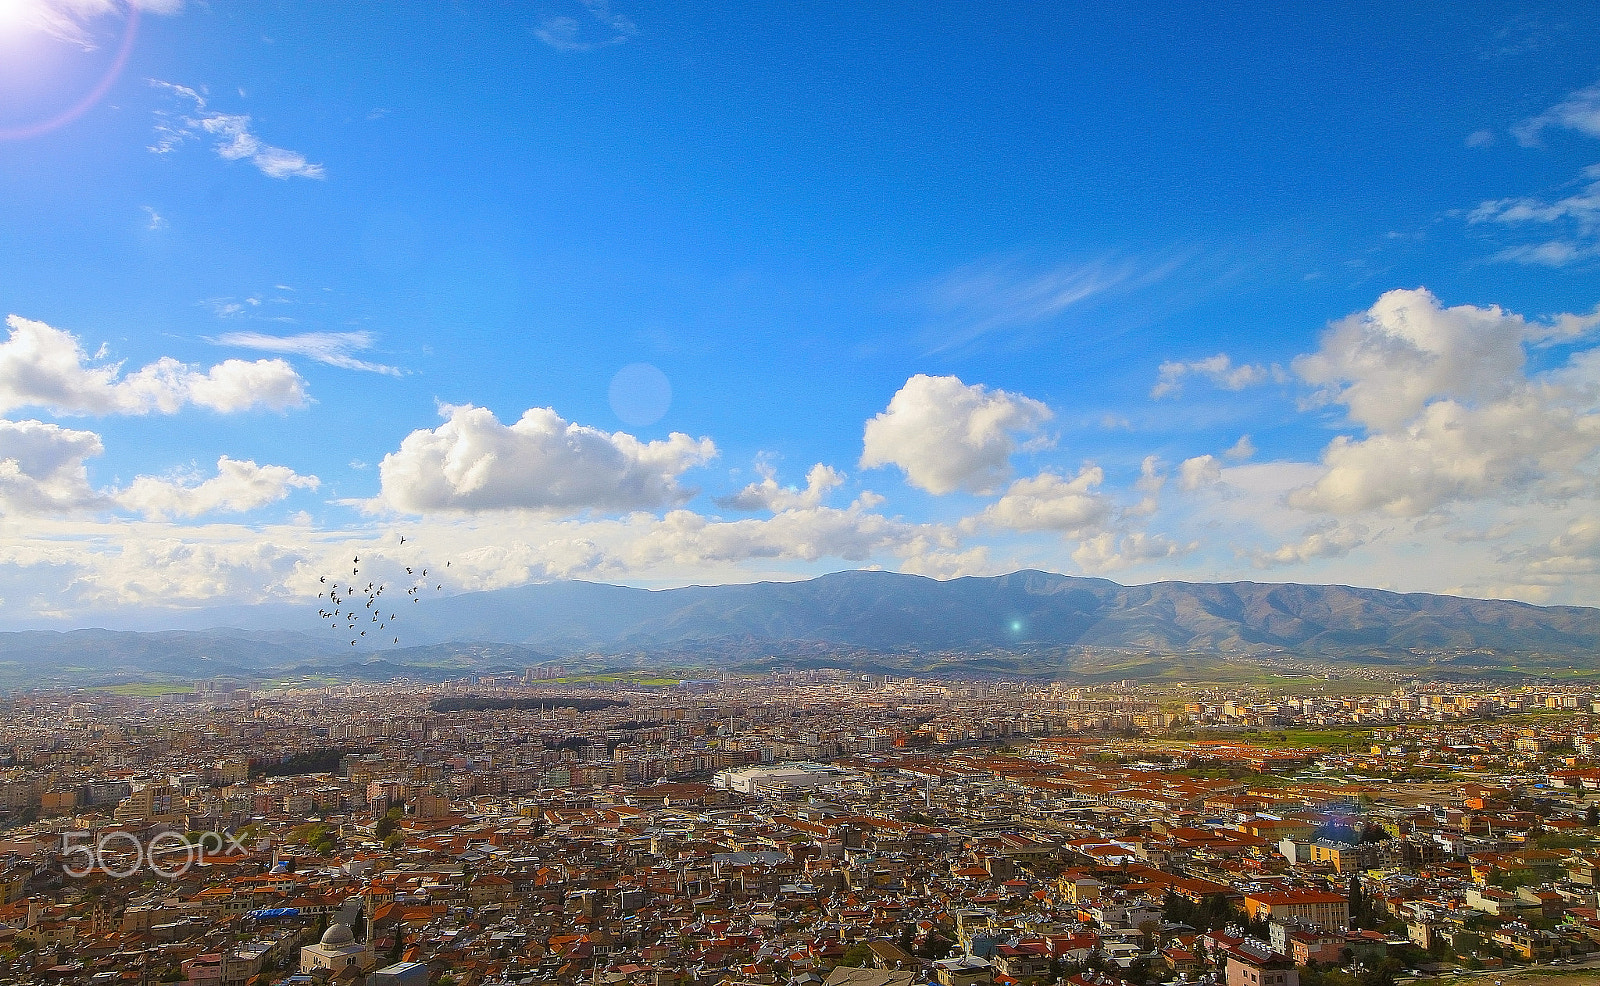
10, 16
46, 45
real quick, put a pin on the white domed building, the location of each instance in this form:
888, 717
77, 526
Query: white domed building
337, 950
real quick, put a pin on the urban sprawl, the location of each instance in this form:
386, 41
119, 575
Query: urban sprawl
798, 829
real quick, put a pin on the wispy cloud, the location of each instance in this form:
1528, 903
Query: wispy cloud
231, 133
72, 21
1582, 207
1575, 218
1569, 224
153, 219
984, 298
1579, 111
332, 348
598, 27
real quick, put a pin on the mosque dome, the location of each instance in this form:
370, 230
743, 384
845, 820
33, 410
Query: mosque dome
337, 936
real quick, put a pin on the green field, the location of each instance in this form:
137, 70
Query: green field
645, 680
1352, 738
144, 689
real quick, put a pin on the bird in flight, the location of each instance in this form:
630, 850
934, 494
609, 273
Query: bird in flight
341, 618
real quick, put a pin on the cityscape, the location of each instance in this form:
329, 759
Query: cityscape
632, 493
798, 827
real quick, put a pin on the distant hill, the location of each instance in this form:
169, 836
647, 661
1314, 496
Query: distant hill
1032, 620
884, 611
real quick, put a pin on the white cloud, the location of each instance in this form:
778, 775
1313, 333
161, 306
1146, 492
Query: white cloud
332, 348
42, 468
1524, 445
473, 462
1579, 111
601, 26
1576, 217
1152, 478
1574, 553
41, 366
1242, 450
1450, 413
1323, 541
1580, 211
1050, 502
768, 495
1219, 369
238, 486
940, 563
1385, 363
948, 436
172, 568
1551, 253
1202, 470
232, 137
684, 537
153, 219
1107, 552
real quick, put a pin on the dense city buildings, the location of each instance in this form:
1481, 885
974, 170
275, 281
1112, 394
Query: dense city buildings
797, 829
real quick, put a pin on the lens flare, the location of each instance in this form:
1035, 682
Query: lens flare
21, 18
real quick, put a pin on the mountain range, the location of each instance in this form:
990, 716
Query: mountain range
1033, 620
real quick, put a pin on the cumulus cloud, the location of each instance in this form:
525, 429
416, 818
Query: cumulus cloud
1202, 470
332, 348
1323, 541
238, 486
42, 468
232, 138
1450, 413
1242, 450
1219, 369
768, 495
1107, 552
1573, 553
179, 569
1523, 445
946, 435
474, 463
1051, 502
855, 534
1386, 363
1152, 478
936, 562
41, 366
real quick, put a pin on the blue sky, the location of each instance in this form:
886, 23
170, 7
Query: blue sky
658, 295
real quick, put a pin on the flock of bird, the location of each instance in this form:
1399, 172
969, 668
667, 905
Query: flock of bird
357, 608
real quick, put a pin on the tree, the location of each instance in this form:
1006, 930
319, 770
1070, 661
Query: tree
1591, 817
858, 956
1149, 932
1358, 902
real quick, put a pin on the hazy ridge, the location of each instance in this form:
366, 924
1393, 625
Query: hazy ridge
1041, 618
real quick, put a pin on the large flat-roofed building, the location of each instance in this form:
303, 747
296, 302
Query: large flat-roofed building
400, 974
784, 776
